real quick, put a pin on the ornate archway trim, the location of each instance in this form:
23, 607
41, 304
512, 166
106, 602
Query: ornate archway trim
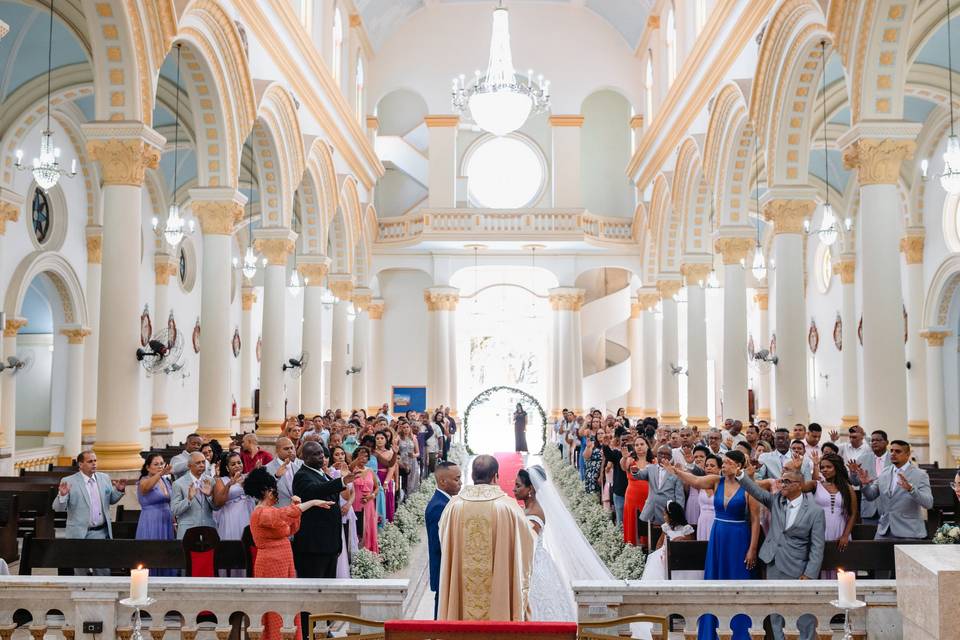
485, 395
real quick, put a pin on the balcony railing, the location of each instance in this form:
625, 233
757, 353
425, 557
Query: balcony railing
519, 224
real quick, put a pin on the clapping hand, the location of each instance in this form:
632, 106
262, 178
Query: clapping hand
283, 468
834, 435
902, 481
794, 463
64, 488
207, 486
120, 485
192, 492
258, 464
237, 478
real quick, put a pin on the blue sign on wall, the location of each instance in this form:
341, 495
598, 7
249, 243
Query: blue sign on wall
409, 399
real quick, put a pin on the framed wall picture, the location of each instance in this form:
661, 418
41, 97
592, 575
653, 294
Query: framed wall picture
196, 337
259, 347
860, 331
171, 330
236, 343
408, 399
146, 326
838, 333
813, 337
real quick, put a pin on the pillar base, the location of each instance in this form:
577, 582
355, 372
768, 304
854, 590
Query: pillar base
918, 428
246, 412
648, 412
88, 429
159, 421
700, 422
848, 421
635, 412
556, 414
270, 428
763, 414
669, 418
219, 434
118, 456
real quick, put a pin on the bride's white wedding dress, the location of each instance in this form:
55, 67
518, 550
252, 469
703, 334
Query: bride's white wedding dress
551, 598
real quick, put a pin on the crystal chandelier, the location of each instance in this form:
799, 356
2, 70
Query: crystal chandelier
295, 284
46, 168
950, 178
759, 267
249, 268
500, 100
175, 227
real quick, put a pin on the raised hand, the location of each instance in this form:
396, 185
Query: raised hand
815, 459
834, 435
192, 492
167, 469
283, 468
259, 463
64, 488
794, 463
120, 485
902, 481
207, 487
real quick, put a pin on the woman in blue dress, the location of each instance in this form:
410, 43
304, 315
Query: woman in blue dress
153, 492
734, 540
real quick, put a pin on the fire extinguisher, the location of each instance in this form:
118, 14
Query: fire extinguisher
233, 408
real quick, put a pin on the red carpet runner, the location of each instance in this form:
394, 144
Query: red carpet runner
509, 463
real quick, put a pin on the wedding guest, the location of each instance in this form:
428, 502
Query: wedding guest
179, 462
838, 500
210, 455
409, 454
635, 497
812, 439
902, 491
348, 519
593, 465
153, 493
232, 507
365, 489
675, 528
271, 528
283, 467
251, 453
711, 467
664, 487
191, 504
387, 467
874, 462
856, 445
613, 453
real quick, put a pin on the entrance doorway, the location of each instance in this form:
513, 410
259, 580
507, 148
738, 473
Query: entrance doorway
488, 421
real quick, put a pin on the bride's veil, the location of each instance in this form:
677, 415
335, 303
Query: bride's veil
573, 555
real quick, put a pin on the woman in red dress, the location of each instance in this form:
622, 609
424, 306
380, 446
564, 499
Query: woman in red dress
271, 528
637, 490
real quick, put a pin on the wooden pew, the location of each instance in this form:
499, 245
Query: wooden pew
9, 525
34, 505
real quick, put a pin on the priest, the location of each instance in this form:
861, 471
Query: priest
487, 551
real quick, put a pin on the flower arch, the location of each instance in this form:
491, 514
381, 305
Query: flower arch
485, 395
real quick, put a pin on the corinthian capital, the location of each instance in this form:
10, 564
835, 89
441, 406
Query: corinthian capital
125, 150
845, 268
876, 160
668, 288
734, 250
441, 298
695, 272
787, 214
911, 246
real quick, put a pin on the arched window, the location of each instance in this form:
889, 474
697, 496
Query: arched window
40, 216
702, 12
306, 14
648, 86
671, 42
359, 86
336, 59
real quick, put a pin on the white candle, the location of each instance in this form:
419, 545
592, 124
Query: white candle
846, 586
138, 584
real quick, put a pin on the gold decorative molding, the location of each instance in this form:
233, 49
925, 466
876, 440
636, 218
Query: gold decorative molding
267, 428
911, 246
94, 246
918, 428
787, 214
163, 270
247, 299
8, 211
355, 20
246, 412
574, 120
635, 309
75, 336
362, 298
636, 122
567, 299
695, 272
123, 161
701, 422
668, 288
88, 427
762, 298
733, 250
217, 217
877, 161
13, 326
671, 419
442, 300
313, 273
118, 456
848, 421
653, 22
341, 289
441, 121
221, 434
933, 338
375, 309
159, 422
275, 250
4, 29
373, 122
846, 269
647, 301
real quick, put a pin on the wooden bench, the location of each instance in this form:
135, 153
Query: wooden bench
34, 506
119, 556
9, 525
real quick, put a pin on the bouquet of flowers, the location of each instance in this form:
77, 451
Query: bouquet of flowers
947, 534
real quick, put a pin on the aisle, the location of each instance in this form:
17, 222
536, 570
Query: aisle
510, 463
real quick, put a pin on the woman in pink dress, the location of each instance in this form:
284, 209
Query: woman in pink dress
387, 466
837, 499
365, 488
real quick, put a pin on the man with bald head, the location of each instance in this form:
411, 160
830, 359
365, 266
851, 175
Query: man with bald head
283, 467
793, 548
483, 532
191, 502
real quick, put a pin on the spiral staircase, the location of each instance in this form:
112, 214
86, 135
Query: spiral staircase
606, 364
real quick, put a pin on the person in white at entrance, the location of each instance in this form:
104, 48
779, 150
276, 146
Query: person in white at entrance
86, 496
283, 467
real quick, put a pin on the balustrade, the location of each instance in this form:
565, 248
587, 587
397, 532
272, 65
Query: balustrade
38, 459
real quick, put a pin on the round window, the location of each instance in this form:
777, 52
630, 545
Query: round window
40, 219
507, 172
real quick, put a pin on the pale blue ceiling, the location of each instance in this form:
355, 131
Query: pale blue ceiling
841, 117
186, 169
162, 117
86, 105
916, 109
838, 174
834, 69
935, 50
382, 17
23, 51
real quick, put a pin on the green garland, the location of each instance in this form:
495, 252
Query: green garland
483, 396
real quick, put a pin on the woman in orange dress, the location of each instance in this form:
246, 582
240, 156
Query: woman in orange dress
637, 490
271, 527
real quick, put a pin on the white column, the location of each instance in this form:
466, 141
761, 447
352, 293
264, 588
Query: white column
635, 346
935, 397
341, 336
556, 340
846, 268
248, 350
8, 389
695, 274
733, 250
313, 269
377, 392
763, 402
566, 303
911, 245
648, 299
163, 268
91, 352
275, 244
218, 210
790, 373
565, 160
670, 350
442, 162
441, 305
876, 150
361, 345
73, 403
124, 150
452, 368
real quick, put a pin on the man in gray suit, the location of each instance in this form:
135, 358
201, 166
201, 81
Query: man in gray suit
902, 491
793, 547
873, 461
86, 496
664, 487
773, 463
180, 462
283, 467
191, 503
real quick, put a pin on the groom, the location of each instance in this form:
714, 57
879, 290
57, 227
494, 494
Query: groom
487, 551
448, 485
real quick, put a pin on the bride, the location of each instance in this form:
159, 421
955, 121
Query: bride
561, 555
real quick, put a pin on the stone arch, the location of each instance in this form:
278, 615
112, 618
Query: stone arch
61, 274
667, 226
219, 88
728, 155
320, 166
784, 89
87, 168
690, 199
939, 302
341, 234
277, 111
350, 208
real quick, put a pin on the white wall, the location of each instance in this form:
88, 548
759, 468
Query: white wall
33, 384
826, 393
405, 327
604, 152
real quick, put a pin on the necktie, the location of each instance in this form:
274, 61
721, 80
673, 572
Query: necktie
878, 464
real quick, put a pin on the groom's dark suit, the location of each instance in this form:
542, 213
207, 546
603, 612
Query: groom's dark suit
317, 545
432, 517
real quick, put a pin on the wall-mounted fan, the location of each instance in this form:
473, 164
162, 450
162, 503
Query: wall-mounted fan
353, 370
17, 364
677, 370
763, 360
297, 364
162, 353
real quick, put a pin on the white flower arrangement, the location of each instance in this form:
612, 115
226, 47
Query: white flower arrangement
948, 533
394, 548
366, 565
